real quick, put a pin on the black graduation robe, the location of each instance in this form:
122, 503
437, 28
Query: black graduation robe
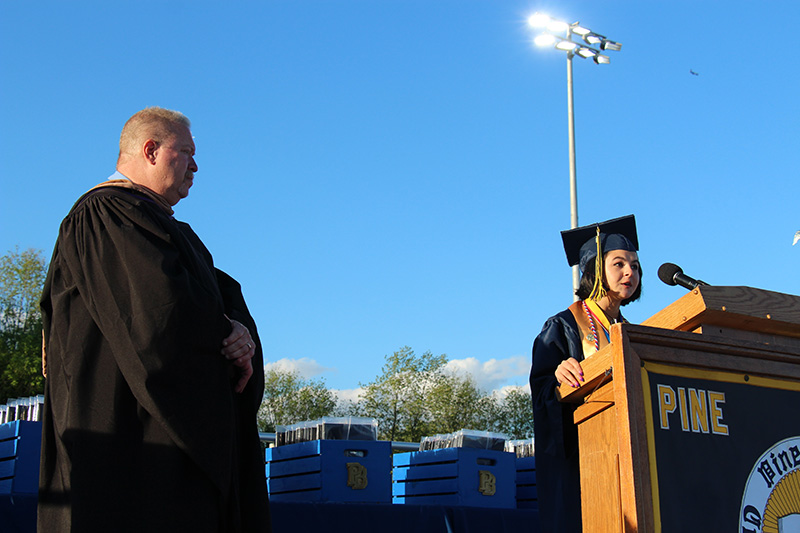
557, 464
142, 430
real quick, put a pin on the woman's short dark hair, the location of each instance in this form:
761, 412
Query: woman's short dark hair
587, 284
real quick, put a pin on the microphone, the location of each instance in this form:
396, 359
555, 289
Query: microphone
673, 275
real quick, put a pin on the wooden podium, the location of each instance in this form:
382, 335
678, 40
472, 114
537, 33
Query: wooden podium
691, 421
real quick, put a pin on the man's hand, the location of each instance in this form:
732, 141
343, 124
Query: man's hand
239, 348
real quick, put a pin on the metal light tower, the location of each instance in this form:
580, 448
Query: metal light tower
553, 29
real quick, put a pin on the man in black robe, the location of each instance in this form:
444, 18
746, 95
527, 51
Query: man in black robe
150, 397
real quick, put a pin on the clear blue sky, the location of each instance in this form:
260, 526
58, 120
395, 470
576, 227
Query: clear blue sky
394, 172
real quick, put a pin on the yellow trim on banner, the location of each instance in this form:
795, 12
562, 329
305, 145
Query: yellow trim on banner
723, 376
651, 450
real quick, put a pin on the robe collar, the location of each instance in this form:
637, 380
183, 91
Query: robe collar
118, 179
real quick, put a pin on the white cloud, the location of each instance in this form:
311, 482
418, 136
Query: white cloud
502, 392
494, 373
305, 367
348, 394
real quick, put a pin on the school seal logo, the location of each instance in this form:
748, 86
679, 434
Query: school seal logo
771, 501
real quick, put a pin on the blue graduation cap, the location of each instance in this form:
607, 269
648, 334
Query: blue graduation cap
581, 244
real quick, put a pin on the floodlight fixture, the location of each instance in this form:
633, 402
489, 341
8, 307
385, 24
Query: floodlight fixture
545, 39
610, 45
557, 26
538, 20
567, 46
593, 38
554, 29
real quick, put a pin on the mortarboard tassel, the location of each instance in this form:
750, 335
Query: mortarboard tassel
598, 291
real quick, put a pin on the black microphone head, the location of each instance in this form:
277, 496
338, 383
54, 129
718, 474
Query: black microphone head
667, 271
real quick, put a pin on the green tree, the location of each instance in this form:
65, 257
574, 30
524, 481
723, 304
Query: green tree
22, 277
399, 395
415, 396
456, 403
288, 398
514, 414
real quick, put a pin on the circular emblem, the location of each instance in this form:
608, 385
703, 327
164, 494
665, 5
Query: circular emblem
771, 500
590, 337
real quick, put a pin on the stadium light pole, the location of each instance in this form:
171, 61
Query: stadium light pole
551, 36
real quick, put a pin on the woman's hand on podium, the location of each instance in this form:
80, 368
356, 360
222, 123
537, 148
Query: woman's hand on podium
569, 371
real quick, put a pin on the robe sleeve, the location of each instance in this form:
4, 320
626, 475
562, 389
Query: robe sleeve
253, 491
553, 427
236, 309
157, 304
